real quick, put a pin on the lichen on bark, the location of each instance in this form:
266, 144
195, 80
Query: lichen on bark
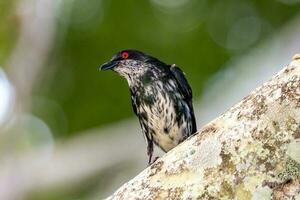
250, 152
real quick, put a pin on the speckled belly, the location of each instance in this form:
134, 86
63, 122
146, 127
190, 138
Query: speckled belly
163, 124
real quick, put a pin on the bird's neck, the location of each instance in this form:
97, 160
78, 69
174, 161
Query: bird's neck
146, 83
147, 78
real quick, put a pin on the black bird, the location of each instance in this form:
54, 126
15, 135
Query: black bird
161, 98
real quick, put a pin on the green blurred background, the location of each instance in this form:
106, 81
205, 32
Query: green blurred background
70, 95
193, 34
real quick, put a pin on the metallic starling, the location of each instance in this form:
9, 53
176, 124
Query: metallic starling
161, 98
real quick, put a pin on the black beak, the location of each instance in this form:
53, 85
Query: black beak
108, 65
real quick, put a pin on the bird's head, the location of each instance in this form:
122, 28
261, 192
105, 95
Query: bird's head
134, 65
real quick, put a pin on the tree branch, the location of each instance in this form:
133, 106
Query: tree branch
252, 151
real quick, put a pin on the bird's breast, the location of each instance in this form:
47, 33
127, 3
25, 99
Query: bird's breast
164, 122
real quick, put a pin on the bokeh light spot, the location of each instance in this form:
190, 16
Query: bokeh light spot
243, 33
6, 97
180, 16
235, 25
33, 135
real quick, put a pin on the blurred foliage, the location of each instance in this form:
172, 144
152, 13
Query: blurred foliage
198, 35
8, 26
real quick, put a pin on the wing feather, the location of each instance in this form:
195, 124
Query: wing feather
185, 90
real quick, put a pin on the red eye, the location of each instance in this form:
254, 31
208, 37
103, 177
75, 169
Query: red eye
125, 55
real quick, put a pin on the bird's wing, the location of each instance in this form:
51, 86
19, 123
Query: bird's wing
182, 82
133, 102
185, 90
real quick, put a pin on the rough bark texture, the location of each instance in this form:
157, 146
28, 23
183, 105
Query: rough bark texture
252, 151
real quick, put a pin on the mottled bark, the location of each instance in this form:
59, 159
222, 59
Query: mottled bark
252, 151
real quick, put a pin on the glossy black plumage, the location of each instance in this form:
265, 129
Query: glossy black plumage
161, 98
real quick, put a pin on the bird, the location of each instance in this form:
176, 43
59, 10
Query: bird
161, 98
